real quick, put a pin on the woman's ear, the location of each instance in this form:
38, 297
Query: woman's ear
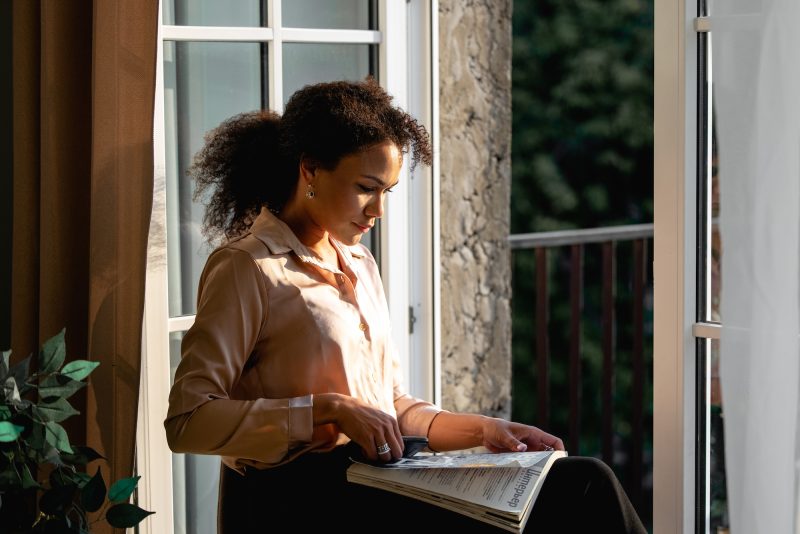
308, 169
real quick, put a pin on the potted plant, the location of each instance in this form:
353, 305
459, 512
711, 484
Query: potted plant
37, 460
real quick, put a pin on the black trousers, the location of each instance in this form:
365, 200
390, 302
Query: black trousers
580, 494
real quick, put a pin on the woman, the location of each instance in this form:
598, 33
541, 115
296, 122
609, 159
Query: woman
289, 359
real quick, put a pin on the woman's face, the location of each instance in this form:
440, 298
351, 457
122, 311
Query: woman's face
348, 199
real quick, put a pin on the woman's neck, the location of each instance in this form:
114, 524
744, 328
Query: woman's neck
308, 233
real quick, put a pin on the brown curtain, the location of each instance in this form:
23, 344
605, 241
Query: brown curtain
83, 92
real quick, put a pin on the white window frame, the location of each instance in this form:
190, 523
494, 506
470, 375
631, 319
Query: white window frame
675, 221
409, 234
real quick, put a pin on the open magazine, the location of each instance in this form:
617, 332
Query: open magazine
499, 489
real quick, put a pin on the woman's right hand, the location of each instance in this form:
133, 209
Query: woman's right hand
366, 425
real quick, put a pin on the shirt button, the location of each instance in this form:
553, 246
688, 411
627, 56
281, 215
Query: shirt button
362, 327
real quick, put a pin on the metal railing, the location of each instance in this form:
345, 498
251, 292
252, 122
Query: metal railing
607, 238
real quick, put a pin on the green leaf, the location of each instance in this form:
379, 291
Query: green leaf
5, 413
10, 391
21, 371
57, 436
64, 477
79, 369
82, 455
82, 478
125, 515
94, 493
59, 386
27, 478
55, 411
61, 477
52, 456
53, 352
38, 442
4, 364
9, 432
122, 489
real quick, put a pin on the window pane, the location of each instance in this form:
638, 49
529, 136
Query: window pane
214, 13
306, 63
718, 491
204, 83
195, 478
718, 494
716, 240
331, 14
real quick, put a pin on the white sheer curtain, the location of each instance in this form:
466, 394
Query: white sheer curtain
756, 90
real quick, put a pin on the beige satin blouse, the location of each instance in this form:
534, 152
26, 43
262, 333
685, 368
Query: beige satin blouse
274, 326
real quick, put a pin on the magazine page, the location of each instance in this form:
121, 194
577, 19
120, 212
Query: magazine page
440, 461
506, 488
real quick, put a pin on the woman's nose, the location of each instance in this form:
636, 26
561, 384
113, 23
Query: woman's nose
375, 206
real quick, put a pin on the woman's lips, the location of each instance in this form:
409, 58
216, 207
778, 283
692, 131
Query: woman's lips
364, 229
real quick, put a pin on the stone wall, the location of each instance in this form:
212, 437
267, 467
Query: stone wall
475, 151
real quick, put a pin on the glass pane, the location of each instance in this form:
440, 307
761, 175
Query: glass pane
214, 13
195, 478
331, 14
306, 63
204, 83
718, 490
716, 241
718, 512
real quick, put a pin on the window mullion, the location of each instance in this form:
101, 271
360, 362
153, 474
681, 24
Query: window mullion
216, 33
394, 228
275, 56
305, 35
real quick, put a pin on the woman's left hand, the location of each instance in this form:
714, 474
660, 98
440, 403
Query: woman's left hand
500, 435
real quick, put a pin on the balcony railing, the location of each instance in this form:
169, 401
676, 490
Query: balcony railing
617, 263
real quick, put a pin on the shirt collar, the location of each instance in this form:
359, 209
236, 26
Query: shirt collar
280, 239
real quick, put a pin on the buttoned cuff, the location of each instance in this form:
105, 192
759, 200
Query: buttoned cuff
301, 420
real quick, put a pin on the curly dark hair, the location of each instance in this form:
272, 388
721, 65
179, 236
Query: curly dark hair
251, 159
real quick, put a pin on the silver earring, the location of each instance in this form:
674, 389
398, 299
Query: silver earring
310, 192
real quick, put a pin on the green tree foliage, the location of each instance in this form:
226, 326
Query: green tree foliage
582, 102
582, 157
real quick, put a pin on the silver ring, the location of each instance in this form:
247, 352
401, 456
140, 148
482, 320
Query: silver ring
383, 449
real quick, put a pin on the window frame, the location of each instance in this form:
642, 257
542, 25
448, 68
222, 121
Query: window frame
681, 292
406, 37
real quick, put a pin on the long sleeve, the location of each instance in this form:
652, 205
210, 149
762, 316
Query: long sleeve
202, 417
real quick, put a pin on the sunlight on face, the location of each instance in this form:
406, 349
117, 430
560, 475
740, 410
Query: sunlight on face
349, 199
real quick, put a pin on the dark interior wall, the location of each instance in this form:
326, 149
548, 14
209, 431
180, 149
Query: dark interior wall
6, 175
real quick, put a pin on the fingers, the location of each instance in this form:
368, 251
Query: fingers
548, 442
389, 446
377, 432
519, 438
385, 440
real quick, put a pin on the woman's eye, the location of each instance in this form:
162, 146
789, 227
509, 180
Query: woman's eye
371, 189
